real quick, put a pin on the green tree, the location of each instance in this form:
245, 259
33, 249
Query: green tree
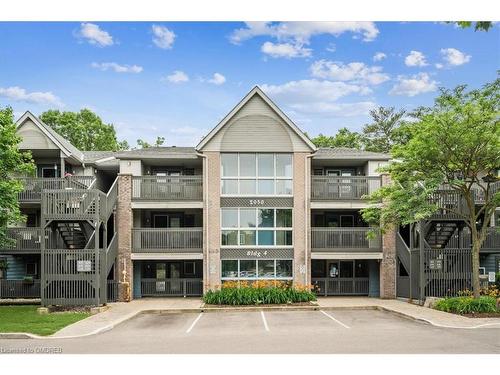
343, 138
386, 130
144, 144
455, 143
478, 26
12, 162
84, 129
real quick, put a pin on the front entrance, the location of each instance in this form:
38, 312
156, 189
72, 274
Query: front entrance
340, 277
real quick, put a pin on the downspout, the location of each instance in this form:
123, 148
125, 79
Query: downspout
307, 177
205, 214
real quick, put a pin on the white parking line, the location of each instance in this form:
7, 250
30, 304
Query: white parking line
194, 323
264, 320
335, 320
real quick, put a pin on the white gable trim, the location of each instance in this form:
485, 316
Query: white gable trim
28, 115
255, 91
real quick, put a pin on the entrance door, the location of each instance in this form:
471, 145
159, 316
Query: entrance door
49, 172
175, 275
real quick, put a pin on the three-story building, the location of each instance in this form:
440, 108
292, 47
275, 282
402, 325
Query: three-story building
254, 200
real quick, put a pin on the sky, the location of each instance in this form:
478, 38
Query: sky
179, 79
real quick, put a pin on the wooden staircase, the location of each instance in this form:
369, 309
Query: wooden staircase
72, 234
440, 233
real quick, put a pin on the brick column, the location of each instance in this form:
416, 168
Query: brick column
211, 250
388, 263
124, 231
301, 264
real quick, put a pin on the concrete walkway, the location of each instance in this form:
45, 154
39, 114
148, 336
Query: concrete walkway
120, 312
409, 310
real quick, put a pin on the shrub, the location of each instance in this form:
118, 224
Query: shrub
497, 279
259, 292
467, 305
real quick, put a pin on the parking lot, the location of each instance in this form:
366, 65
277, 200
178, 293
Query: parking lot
321, 331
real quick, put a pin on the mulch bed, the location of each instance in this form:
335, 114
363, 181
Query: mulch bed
482, 315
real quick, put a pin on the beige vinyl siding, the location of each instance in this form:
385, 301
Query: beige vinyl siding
256, 127
33, 138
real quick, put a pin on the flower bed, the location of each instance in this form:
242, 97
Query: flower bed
468, 305
259, 293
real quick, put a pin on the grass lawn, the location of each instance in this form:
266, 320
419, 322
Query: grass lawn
26, 319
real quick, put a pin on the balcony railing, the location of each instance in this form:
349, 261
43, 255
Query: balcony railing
342, 239
13, 289
178, 188
325, 286
326, 188
33, 186
171, 287
28, 240
169, 240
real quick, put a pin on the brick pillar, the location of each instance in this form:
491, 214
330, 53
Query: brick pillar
301, 263
124, 231
388, 263
211, 250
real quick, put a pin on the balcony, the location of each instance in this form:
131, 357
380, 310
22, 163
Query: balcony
168, 188
167, 240
343, 240
28, 240
33, 186
332, 188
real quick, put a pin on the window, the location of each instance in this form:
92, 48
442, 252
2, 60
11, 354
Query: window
31, 269
248, 268
230, 218
265, 174
189, 268
229, 269
229, 164
245, 227
361, 268
251, 269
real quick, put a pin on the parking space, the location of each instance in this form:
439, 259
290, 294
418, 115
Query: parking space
328, 331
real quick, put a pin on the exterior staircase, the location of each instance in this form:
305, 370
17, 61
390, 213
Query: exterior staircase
72, 234
440, 234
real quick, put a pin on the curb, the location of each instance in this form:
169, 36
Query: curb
205, 309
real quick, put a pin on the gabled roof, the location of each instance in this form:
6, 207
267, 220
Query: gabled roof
64, 145
255, 91
348, 153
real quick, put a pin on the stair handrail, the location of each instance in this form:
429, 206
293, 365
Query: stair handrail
111, 251
89, 242
111, 198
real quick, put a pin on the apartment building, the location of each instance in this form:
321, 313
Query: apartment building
255, 199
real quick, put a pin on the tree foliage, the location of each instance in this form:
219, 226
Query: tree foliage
343, 138
144, 144
388, 128
85, 130
385, 131
455, 143
12, 162
478, 26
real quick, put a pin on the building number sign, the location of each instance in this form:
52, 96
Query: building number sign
256, 202
256, 253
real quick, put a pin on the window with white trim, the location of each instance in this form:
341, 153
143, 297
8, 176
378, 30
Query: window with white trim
255, 269
256, 174
256, 227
